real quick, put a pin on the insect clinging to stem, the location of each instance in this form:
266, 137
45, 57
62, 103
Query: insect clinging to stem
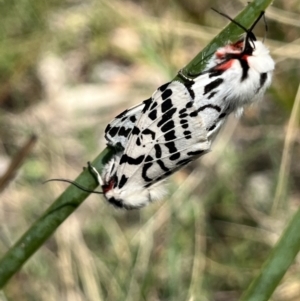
177, 124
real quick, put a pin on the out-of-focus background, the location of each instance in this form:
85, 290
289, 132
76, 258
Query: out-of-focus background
66, 69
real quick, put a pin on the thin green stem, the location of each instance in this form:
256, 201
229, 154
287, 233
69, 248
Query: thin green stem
278, 262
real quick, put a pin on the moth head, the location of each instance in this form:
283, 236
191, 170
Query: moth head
250, 38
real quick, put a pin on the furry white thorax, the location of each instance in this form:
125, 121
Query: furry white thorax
233, 92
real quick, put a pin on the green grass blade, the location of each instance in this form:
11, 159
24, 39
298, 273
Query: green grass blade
277, 263
48, 223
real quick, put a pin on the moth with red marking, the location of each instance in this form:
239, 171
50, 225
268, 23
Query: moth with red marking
237, 75
178, 123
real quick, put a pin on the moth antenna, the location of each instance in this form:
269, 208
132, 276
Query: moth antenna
262, 13
248, 31
266, 27
232, 20
75, 184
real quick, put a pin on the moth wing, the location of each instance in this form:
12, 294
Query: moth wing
168, 134
119, 129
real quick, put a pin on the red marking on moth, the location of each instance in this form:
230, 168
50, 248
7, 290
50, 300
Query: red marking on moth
238, 45
108, 187
220, 54
245, 57
225, 66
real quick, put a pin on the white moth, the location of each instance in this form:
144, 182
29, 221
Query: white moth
177, 124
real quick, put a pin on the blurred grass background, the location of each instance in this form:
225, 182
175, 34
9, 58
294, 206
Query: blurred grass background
66, 69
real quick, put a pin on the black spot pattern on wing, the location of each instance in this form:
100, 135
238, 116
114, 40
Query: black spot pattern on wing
113, 131
169, 136
189, 104
163, 87
149, 132
122, 181
115, 181
124, 132
183, 115
148, 159
135, 131
162, 165
171, 147
187, 134
153, 106
189, 86
212, 85
212, 127
167, 104
175, 156
132, 161
166, 116
158, 151
212, 94
168, 173
148, 164
194, 114
183, 162
210, 106
168, 126
147, 103
107, 129
132, 119
195, 153
153, 115
166, 94
122, 114
184, 123
222, 115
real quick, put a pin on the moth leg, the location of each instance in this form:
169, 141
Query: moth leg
184, 77
95, 172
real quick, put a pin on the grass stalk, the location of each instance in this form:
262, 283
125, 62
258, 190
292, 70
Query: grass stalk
278, 262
